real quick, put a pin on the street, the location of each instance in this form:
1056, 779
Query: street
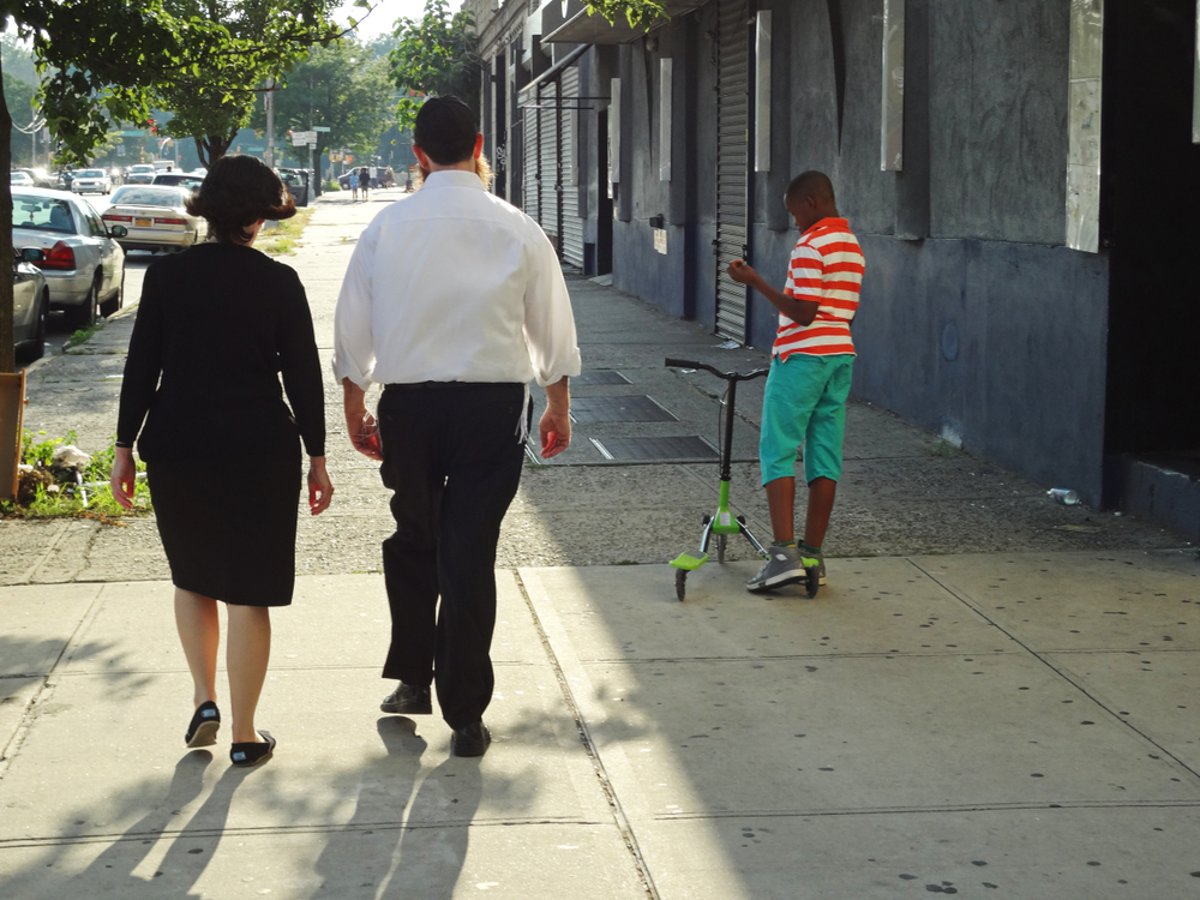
994, 695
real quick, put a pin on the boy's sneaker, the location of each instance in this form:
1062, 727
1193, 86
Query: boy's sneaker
782, 567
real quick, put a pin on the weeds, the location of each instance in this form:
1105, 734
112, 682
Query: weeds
283, 238
48, 492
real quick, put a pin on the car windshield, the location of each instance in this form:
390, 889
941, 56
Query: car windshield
138, 195
90, 173
141, 168
43, 214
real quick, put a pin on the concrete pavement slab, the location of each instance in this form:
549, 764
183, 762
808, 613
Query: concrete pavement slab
386, 859
1030, 854
39, 621
1153, 690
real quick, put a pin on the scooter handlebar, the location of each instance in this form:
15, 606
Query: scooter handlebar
674, 363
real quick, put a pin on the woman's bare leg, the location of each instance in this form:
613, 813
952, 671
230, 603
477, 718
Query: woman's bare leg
248, 650
200, 634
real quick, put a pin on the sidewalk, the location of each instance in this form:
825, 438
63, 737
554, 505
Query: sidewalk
994, 696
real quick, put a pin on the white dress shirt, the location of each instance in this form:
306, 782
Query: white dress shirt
454, 284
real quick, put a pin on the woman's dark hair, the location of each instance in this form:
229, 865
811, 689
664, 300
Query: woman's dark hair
236, 193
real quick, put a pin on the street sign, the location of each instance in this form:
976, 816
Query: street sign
301, 138
321, 128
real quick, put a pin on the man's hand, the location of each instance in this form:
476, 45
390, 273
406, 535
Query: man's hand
360, 424
555, 425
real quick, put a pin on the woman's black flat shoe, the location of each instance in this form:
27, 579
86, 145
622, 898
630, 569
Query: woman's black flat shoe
202, 730
251, 753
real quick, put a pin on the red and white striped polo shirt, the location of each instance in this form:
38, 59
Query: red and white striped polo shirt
827, 267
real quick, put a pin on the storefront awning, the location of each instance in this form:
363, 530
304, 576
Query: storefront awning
584, 29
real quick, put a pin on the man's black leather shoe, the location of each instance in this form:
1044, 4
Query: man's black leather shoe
470, 740
408, 700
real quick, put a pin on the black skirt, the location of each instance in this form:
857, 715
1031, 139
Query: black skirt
230, 534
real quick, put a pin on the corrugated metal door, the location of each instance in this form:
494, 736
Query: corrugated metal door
531, 196
551, 165
733, 163
572, 224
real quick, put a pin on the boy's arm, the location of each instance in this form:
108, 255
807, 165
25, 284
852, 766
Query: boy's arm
799, 311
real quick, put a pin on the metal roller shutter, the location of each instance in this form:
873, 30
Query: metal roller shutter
733, 163
551, 165
572, 224
530, 195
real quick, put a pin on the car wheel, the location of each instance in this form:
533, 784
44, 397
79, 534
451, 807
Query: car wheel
117, 301
39, 334
87, 314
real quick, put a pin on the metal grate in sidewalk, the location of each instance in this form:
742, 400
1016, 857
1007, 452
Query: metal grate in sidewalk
638, 408
691, 448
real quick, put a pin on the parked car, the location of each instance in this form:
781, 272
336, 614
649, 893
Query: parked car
91, 181
21, 178
84, 265
297, 184
31, 304
140, 173
154, 216
41, 178
189, 180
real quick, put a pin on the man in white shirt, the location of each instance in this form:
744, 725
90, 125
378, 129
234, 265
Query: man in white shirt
455, 301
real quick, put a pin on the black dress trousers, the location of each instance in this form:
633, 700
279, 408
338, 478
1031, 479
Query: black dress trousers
452, 457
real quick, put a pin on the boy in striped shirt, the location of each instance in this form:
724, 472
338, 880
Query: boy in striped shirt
812, 362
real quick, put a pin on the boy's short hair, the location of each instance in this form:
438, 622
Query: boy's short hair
445, 130
809, 184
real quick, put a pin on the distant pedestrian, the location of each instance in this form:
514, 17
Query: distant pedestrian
216, 327
454, 300
364, 181
812, 362
353, 179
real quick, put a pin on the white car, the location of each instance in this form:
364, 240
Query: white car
84, 265
20, 178
154, 217
140, 173
95, 181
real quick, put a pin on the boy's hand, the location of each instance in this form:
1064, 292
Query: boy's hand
742, 272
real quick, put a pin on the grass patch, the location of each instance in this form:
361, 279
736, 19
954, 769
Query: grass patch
46, 492
284, 237
82, 335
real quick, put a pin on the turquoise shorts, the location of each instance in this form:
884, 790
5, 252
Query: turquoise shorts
805, 404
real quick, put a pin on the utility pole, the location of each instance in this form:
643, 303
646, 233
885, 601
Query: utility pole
269, 102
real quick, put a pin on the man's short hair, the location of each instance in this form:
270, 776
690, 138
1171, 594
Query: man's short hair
445, 130
810, 184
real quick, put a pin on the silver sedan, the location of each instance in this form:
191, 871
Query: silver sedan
84, 265
31, 304
155, 217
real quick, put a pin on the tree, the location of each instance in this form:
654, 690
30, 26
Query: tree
213, 96
438, 55
103, 60
341, 86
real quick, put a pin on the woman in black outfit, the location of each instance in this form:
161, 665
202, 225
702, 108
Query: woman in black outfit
216, 327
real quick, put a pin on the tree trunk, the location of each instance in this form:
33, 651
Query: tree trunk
212, 147
8, 358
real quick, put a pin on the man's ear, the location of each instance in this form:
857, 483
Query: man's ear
422, 159
478, 146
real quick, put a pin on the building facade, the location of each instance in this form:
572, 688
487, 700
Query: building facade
1018, 172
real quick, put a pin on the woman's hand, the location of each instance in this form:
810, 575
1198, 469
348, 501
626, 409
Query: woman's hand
320, 488
124, 477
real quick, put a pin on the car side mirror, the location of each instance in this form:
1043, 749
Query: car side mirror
117, 231
31, 254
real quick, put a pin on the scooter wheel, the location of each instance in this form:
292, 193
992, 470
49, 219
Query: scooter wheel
680, 584
812, 577
721, 548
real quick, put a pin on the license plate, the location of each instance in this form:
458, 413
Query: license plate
143, 223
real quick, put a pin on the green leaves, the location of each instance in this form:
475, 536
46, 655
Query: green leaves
439, 55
